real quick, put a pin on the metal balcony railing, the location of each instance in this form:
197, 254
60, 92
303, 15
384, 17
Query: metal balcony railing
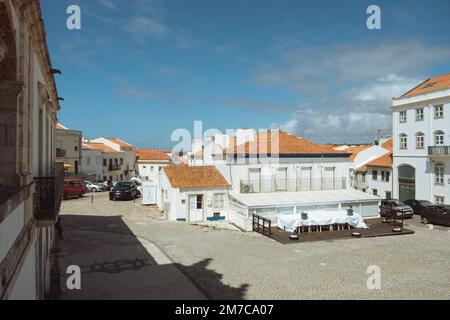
292, 185
60, 153
439, 151
47, 196
114, 167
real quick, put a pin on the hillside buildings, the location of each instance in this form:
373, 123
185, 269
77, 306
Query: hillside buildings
30, 181
421, 132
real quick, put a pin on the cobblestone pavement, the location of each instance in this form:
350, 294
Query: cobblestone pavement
227, 264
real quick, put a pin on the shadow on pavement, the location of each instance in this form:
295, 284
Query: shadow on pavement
115, 264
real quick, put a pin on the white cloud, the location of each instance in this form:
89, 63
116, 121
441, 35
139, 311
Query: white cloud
346, 89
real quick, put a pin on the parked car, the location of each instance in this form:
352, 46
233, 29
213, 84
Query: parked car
107, 184
138, 186
94, 187
126, 190
392, 209
439, 215
419, 206
73, 188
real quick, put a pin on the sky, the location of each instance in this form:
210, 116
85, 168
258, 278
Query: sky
139, 69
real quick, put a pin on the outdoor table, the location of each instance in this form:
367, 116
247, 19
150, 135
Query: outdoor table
290, 222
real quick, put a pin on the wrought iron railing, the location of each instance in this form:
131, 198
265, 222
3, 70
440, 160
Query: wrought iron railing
439, 151
47, 196
262, 225
292, 185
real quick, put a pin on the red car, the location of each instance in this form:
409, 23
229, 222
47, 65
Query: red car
74, 188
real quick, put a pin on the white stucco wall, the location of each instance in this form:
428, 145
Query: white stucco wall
424, 165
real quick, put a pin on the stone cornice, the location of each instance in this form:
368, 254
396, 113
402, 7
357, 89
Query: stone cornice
31, 15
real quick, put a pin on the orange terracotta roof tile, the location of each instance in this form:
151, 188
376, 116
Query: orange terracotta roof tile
354, 151
288, 144
195, 177
384, 161
151, 154
387, 144
430, 85
99, 146
60, 126
120, 142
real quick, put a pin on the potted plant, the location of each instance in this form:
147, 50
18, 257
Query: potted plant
304, 216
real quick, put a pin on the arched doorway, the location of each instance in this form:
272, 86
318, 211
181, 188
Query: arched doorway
406, 182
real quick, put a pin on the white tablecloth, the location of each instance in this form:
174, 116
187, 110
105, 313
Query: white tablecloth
290, 222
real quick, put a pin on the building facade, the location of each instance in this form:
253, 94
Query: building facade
149, 163
421, 133
30, 181
120, 164
68, 149
92, 162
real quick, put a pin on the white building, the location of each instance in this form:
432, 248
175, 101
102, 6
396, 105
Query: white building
196, 193
421, 133
273, 172
374, 176
149, 163
30, 181
120, 166
68, 148
92, 163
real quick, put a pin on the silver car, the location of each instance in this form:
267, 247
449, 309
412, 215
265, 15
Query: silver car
94, 187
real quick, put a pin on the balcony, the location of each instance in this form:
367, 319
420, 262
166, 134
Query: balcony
60, 153
439, 151
47, 197
292, 185
114, 167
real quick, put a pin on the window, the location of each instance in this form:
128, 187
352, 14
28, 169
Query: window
439, 138
403, 141
375, 192
420, 138
218, 200
374, 175
402, 116
76, 148
388, 194
152, 168
439, 200
419, 114
363, 177
439, 172
121, 161
143, 167
199, 202
387, 176
439, 111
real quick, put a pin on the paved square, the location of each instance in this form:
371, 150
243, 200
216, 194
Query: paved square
229, 264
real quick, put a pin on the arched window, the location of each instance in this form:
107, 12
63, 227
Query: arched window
439, 138
403, 141
420, 140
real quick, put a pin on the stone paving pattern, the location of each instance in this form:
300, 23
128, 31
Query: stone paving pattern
228, 264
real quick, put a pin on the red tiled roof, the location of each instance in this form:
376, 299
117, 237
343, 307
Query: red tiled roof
354, 151
430, 85
99, 146
151, 154
119, 142
195, 177
288, 144
384, 161
387, 144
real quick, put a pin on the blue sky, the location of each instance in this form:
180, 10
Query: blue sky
138, 69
